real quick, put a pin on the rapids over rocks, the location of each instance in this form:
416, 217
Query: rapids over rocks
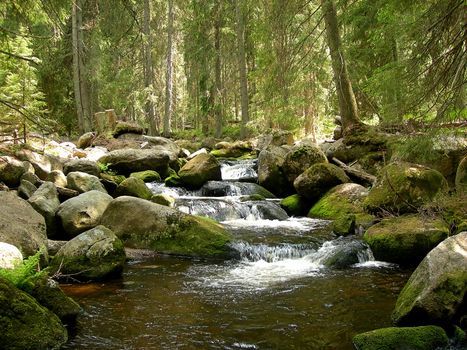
292, 285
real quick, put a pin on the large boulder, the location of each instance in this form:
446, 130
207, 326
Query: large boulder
394, 338
123, 127
147, 175
341, 201
43, 164
314, 182
233, 188
405, 240
275, 138
295, 205
300, 158
126, 161
26, 189
11, 170
437, 290
461, 176
86, 140
165, 230
83, 212
93, 255
270, 174
83, 165
25, 324
202, 168
134, 187
83, 182
403, 188
10, 256
163, 144
45, 201
21, 225
232, 149
58, 178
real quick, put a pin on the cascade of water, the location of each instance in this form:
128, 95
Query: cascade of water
244, 170
256, 252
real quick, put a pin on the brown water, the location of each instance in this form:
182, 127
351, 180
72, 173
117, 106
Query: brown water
171, 303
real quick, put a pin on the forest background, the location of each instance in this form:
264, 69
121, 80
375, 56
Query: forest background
190, 68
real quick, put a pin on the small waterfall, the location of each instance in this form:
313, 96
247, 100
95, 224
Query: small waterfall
244, 170
256, 252
175, 192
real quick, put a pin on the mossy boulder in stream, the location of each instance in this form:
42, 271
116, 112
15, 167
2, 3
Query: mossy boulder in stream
25, 324
405, 240
314, 182
147, 175
403, 188
197, 171
340, 202
143, 224
437, 290
394, 338
300, 158
270, 174
295, 205
93, 255
133, 186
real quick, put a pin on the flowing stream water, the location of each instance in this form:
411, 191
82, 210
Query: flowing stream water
293, 285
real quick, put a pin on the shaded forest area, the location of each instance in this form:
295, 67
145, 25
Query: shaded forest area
233, 68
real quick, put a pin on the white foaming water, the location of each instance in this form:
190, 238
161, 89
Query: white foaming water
238, 171
299, 224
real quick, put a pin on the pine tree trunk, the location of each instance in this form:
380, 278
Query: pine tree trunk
347, 103
79, 80
169, 81
240, 29
148, 69
218, 81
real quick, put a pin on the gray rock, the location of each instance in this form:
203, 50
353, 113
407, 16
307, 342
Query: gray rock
197, 171
83, 182
43, 164
10, 256
300, 158
86, 140
83, 212
436, 292
126, 161
93, 255
45, 201
32, 178
270, 174
58, 178
134, 187
11, 170
26, 189
82, 165
21, 225
461, 176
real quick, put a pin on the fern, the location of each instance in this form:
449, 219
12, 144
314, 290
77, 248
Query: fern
19, 276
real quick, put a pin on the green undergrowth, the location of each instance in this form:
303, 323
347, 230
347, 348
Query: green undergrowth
23, 273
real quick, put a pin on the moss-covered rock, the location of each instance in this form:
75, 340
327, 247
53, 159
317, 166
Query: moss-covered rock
341, 201
147, 175
127, 161
344, 225
25, 324
46, 202
135, 187
404, 188
163, 229
163, 199
202, 168
83, 165
394, 338
270, 174
461, 176
93, 255
300, 158
124, 128
405, 240
117, 179
295, 205
173, 181
436, 292
83, 182
314, 182
238, 149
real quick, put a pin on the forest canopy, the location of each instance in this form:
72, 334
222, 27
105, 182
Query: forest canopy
235, 68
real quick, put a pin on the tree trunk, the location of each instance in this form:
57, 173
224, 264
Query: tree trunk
79, 78
148, 69
240, 29
347, 103
218, 82
169, 81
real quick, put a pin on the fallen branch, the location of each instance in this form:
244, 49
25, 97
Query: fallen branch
352, 172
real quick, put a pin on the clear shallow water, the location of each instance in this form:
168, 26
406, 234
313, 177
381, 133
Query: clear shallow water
172, 303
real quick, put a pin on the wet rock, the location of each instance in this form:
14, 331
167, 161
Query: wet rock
83, 182
436, 292
10, 256
163, 199
341, 201
134, 187
82, 165
25, 324
295, 205
344, 225
21, 225
11, 171
342, 253
300, 158
45, 201
200, 169
314, 182
406, 239
165, 230
126, 161
95, 254
403, 188
83, 212
419, 338
270, 174
224, 188
269, 211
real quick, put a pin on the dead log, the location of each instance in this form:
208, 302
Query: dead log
352, 172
